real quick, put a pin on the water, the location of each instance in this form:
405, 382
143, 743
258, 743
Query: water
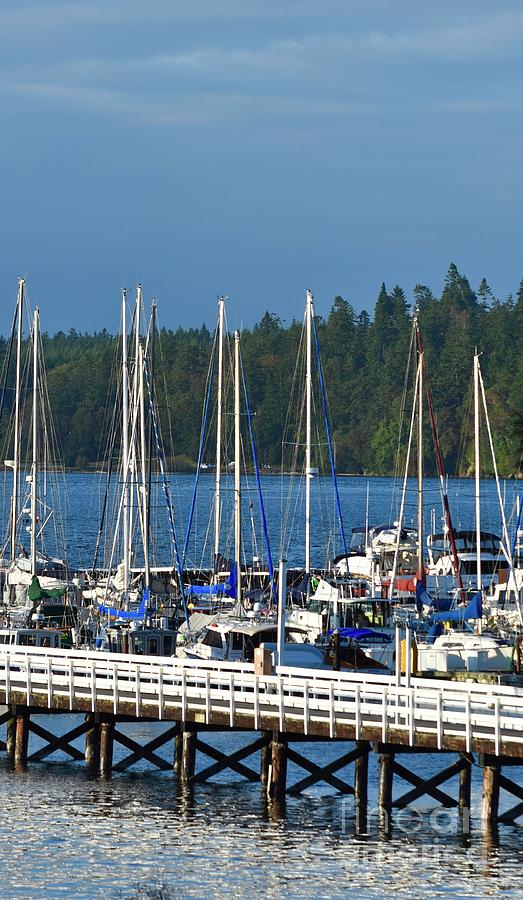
69, 834
77, 501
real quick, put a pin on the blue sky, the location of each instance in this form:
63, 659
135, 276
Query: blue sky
255, 149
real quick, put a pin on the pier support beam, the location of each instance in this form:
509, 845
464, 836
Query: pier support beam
106, 746
92, 742
265, 760
10, 737
21, 736
361, 781
490, 804
188, 761
464, 797
386, 763
277, 783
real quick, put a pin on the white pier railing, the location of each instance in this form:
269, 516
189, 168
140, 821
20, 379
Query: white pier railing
440, 714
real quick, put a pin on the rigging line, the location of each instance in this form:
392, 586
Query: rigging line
203, 431
166, 493
7, 359
258, 482
329, 440
403, 407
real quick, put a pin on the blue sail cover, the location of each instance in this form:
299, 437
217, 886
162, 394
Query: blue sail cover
225, 589
474, 610
127, 614
358, 633
423, 598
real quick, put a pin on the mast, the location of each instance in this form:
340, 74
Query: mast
308, 388
217, 496
125, 453
421, 568
133, 468
441, 475
34, 467
237, 466
477, 472
143, 455
16, 453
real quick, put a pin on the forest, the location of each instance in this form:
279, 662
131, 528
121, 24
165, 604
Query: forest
364, 362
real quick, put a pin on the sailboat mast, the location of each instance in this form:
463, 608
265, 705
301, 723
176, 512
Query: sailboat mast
477, 472
237, 465
143, 456
125, 452
16, 453
308, 389
133, 469
421, 568
34, 467
217, 495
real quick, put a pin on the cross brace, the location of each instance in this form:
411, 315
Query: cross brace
517, 791
428, 786
144, 752
54, 742
323, 773
232, 761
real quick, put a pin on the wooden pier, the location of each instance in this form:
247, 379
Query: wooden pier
474, 723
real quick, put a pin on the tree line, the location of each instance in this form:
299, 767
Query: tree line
364, 363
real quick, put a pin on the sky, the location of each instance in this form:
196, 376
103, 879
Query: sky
255, 148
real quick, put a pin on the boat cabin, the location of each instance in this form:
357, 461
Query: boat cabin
31, 637
143, 641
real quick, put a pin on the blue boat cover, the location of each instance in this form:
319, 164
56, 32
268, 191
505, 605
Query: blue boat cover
473, 610
127, 614
225, 589
357, 633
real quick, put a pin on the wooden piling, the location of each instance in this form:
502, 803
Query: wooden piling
386, 761
265, 763
21, 736
177, 749
465, 777
92, 742
10, 737
361, 782
106, 745
490, 805
277, 782
188, 760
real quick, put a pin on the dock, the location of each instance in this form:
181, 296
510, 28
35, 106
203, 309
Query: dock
363, 713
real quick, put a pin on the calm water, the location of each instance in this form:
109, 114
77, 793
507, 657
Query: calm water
68, 834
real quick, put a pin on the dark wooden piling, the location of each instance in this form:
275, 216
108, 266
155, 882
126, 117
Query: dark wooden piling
177, 748
188, 760
21, 736
92, 742
490, 805
265, 763
277, 782
464, 797
361, 785
386, 763
106, 745
10, 737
